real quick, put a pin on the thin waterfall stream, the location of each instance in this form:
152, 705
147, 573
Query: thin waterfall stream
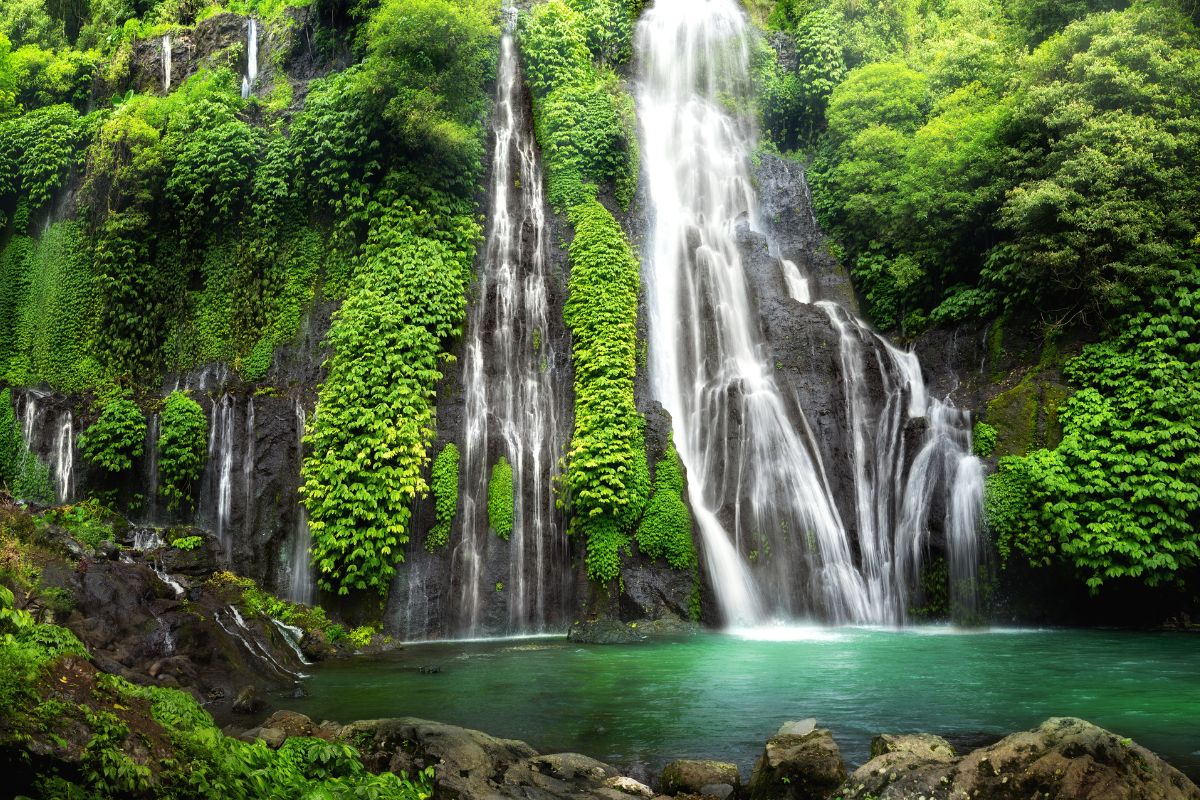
775, 542
512, 392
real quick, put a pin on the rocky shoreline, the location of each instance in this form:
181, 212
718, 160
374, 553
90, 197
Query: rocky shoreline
1064, 758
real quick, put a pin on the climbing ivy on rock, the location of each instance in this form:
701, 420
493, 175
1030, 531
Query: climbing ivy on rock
1119, 498
444, 482
182, 448
117, 436
375, 412
666, 529
500, 499
586, 142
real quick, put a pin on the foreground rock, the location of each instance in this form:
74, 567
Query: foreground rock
1064, 758
706, 778
800, 762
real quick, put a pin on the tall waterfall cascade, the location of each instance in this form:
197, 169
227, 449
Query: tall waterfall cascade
251, 74
512, 393
776, 541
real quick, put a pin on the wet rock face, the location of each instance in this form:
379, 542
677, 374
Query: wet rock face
1064, 758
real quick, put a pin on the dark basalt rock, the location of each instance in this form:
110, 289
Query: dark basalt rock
1063, 758
604, 631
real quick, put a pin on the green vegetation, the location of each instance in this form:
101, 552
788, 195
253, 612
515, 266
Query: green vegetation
187, 543
117, 436
444, 482
666, 529
182, 448
406, 301
584, 124
146, 741
1016, 161
500, 499
20, 471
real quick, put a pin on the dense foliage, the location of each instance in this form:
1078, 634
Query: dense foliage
20, 471
500, 499
117, 436
666, 529
182, 448
406, 301
1028, 160
444, 482
583, 123
144, 741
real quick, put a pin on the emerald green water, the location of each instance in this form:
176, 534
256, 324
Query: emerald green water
722, 695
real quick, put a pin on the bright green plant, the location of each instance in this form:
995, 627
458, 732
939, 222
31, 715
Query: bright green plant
187, 543
117, 436
500, 499
182, 448
983, 439
666, 528
444, 482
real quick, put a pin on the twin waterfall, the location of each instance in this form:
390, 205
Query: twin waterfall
513, 395
775, 543
833, 527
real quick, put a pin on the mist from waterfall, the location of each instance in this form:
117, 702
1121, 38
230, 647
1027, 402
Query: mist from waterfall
511, 390
166, 63
774, 541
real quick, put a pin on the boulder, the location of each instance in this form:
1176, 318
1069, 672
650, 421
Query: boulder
1064, 758
291, 723
691, 776
629, 786
798, 767
247, 701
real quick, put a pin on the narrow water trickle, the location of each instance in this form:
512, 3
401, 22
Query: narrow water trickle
774, 540
62, 464
219, 474
166, 63
300, 576
512, 391
251, 74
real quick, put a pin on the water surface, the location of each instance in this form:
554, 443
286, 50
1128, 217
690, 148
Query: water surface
722, 695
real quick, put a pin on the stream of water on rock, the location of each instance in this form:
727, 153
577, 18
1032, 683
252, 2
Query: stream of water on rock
511, 389
774, 541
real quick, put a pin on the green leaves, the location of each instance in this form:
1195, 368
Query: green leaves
666, 529
500, 499
182, 448
374, 420
116, 438
1119, 496
444, 482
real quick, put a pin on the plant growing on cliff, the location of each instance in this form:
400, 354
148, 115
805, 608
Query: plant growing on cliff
444, 482
117, 436
27, 478
182, 448
500, 499
666, 528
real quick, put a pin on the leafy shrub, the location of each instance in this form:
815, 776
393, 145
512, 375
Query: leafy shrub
444, 482
666, 528
182, 448
500, 499
187, 543
983, 439
117, 436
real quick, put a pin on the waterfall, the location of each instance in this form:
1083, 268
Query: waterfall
251, 59
300, 578
151, 451
511, 387
62, 464
220, 459
166, 63
774, 540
